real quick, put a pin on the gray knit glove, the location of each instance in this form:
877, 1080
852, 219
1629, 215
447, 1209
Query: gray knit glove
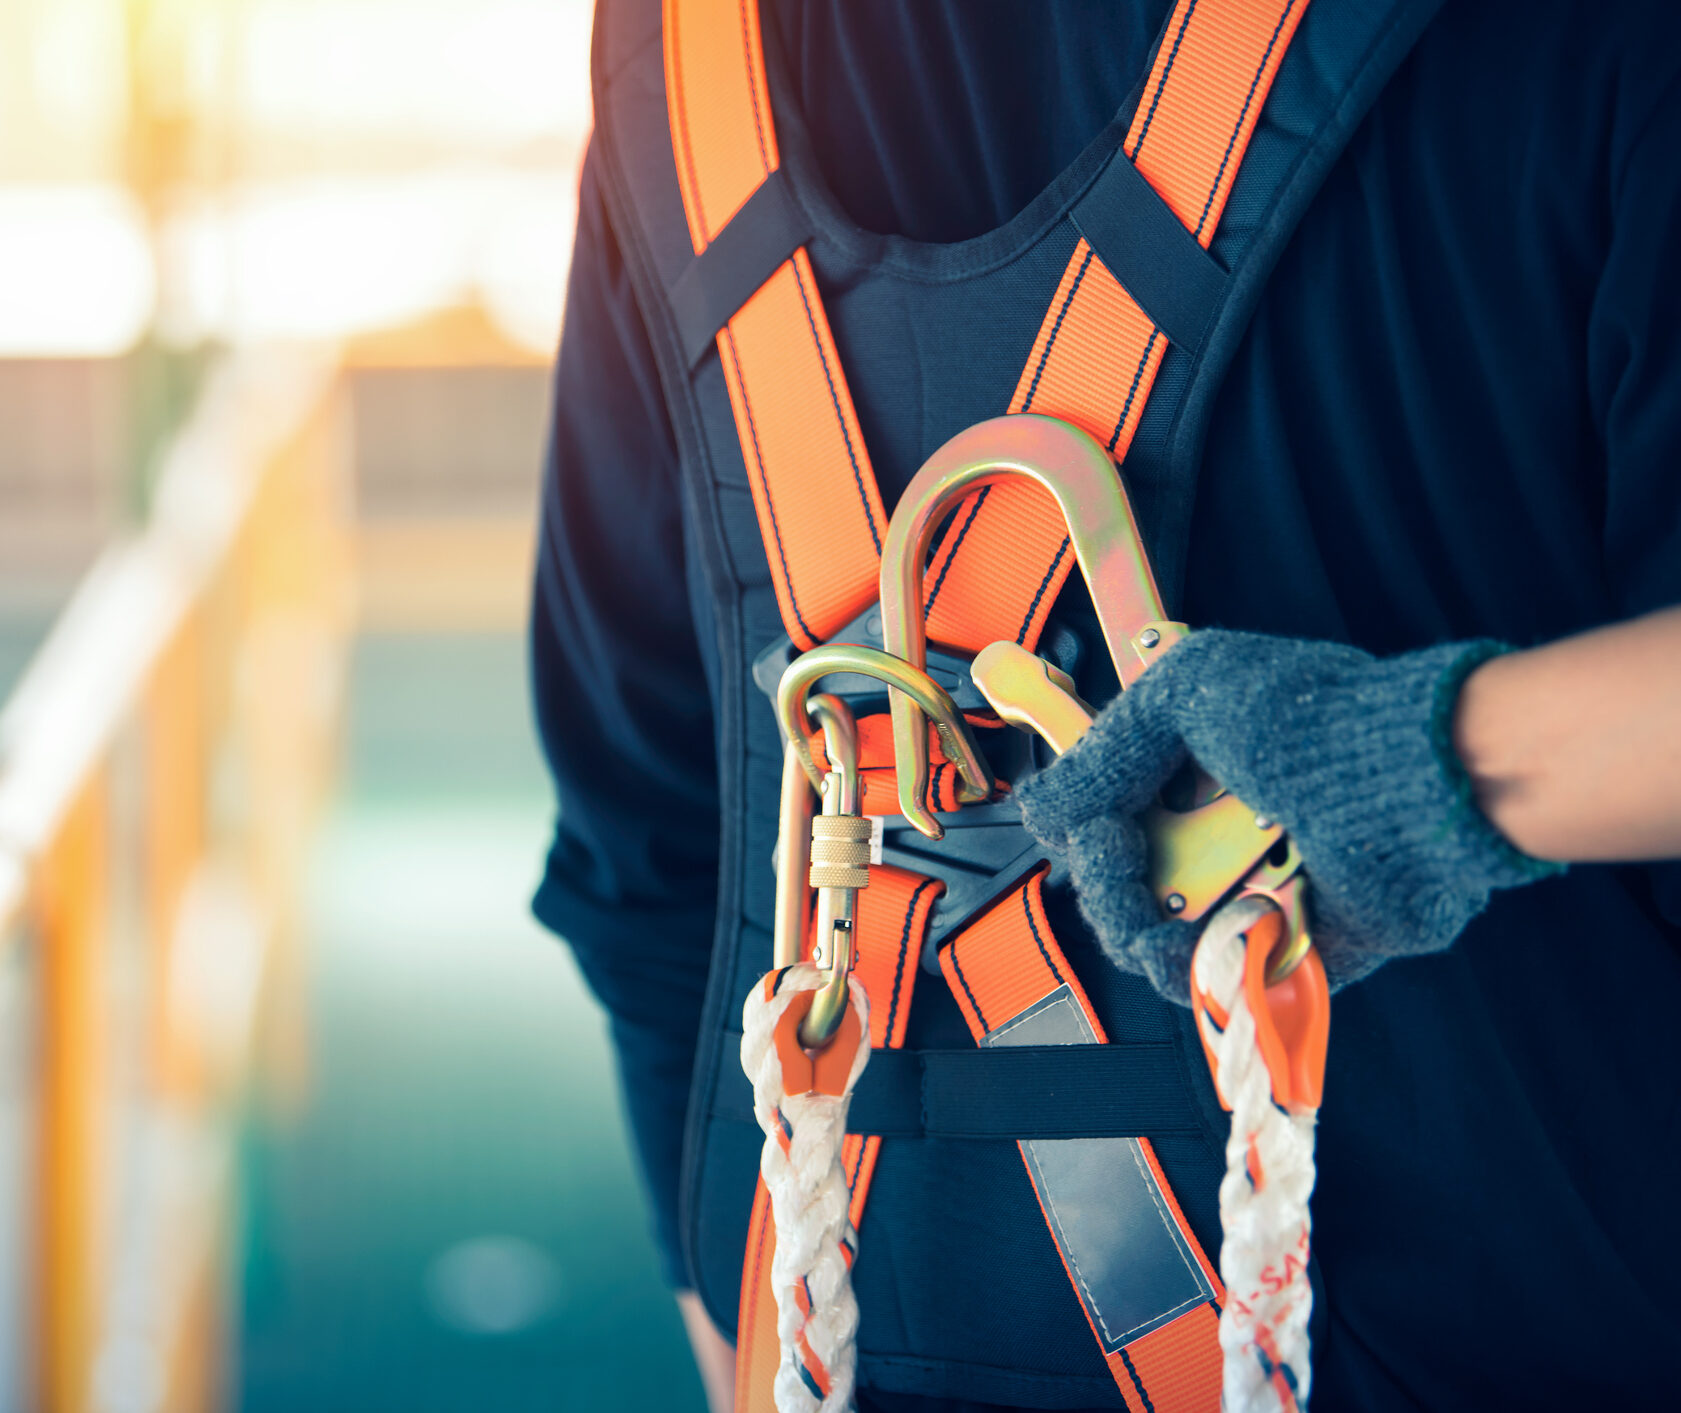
1351, 754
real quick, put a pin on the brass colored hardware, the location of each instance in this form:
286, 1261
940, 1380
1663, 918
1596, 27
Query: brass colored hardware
1028, 692
793, 859
1198, 855
796, 822
1289, 893
1202, 854
832, 945
910, 683
1078, 473
828, 851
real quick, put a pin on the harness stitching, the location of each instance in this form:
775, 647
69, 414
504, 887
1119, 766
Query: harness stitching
764, 482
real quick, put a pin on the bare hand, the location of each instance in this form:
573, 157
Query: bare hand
714, 1355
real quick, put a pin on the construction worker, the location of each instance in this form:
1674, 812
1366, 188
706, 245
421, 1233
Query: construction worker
1433, 411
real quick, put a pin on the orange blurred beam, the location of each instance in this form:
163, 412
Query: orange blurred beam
71, 900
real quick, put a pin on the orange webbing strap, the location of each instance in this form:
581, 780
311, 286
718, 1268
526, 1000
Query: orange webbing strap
1093, 362
820, 514
1149, 1292
878, 782
1097, 353
757, 1349
891, 919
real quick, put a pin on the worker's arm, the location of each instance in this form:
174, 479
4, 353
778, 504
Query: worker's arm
623, 711
1407, 814
1574, 749
1412, 786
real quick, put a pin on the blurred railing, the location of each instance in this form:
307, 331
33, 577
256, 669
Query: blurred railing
160, 764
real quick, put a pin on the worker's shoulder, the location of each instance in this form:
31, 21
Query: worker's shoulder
1583, 48
1513, 100
623, 30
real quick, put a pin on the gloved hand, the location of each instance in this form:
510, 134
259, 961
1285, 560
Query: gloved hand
1352, 754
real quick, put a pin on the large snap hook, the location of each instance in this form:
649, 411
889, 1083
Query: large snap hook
1198, 854
1079, 475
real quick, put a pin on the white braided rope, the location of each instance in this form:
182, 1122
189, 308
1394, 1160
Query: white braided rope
1263, 1257
801, 1167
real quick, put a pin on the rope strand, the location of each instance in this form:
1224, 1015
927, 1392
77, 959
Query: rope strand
1264, 1194
817, 1313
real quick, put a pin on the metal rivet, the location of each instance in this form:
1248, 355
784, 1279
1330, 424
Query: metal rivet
1148, 639
1176, 902
1262, 822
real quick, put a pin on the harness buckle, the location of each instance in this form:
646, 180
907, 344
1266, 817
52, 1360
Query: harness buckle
983, 854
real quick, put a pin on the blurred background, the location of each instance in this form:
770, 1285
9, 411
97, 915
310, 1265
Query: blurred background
298, 1109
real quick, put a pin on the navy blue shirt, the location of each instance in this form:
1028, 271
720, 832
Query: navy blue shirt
1456, 413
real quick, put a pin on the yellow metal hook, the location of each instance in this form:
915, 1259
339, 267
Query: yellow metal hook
1078, 473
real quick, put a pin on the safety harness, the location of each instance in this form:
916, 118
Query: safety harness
995, 577
1147, 1290
1128, 351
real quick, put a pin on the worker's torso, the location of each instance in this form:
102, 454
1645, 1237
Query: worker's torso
1405, 449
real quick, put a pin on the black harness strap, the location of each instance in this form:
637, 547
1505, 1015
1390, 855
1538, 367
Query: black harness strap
750, 248
1147, 248
1028, 1091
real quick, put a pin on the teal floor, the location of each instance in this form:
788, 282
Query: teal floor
452, 1222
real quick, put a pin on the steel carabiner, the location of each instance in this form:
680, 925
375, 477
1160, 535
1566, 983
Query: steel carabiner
909, 683
830, 851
